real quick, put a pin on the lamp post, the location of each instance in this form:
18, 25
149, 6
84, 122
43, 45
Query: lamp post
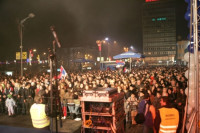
31, 15
99, 43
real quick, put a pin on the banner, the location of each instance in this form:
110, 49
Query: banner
18, 55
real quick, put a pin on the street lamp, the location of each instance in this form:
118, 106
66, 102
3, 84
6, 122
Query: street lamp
131, 47
34, 50
31, 15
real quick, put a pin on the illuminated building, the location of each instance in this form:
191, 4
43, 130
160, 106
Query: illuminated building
159, 31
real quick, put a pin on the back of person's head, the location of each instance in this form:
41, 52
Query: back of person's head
38, 99
166, 100
139, 118
146, 95
158, 94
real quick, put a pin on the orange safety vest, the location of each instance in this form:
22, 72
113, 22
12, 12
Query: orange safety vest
38, 116
169, 120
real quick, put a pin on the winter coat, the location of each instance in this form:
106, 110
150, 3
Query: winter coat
10, 102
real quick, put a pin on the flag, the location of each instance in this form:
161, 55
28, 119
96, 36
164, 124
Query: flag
30, 57
63, 73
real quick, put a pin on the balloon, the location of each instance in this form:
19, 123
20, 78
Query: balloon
191, 93
187, 15
188, 36
191, 74
190, 107
187, 55
191, 65
191, 85
191, 48
186, 74
199, 56
193, 101
188, 25
186, 91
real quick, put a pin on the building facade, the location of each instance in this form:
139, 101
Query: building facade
181, 46
159, 31
88, 53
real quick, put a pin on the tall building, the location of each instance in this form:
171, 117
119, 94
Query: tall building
159, 31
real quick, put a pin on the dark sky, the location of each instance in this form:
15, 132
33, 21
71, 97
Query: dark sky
77, 22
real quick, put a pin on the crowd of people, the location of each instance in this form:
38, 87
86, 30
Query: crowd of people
141, 86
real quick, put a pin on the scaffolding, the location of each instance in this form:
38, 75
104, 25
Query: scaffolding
193, 118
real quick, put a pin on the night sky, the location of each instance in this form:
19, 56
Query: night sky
77, 23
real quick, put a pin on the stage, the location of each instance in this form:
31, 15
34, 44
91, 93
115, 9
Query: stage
23, 124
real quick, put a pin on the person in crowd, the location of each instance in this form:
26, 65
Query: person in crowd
77, 106
171, 95
70, 102
156, 102
46, 96
164, 92
10, 103
22, 98
28, 100
41, 91
167, 117
132, 102
32, 89
63, 99
2, 100
139, 118
39, 114
180, 105
140, 80
37, 89
16, 89
18, 101
8, 89
149, 112
151, 96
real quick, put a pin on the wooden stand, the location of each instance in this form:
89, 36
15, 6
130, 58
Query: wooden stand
103, 114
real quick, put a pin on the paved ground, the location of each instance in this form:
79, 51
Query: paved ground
24, 121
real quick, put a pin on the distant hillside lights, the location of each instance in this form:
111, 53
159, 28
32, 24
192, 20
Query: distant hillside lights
151, 0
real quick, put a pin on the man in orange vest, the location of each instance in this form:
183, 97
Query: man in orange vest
167, 117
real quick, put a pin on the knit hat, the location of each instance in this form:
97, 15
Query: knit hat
9, 95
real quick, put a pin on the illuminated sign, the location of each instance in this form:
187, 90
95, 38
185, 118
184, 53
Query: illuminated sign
151, 0
159, 19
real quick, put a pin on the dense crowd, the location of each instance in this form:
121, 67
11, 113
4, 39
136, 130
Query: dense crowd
140, 83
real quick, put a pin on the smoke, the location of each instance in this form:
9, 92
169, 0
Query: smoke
98, 19
77, 22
